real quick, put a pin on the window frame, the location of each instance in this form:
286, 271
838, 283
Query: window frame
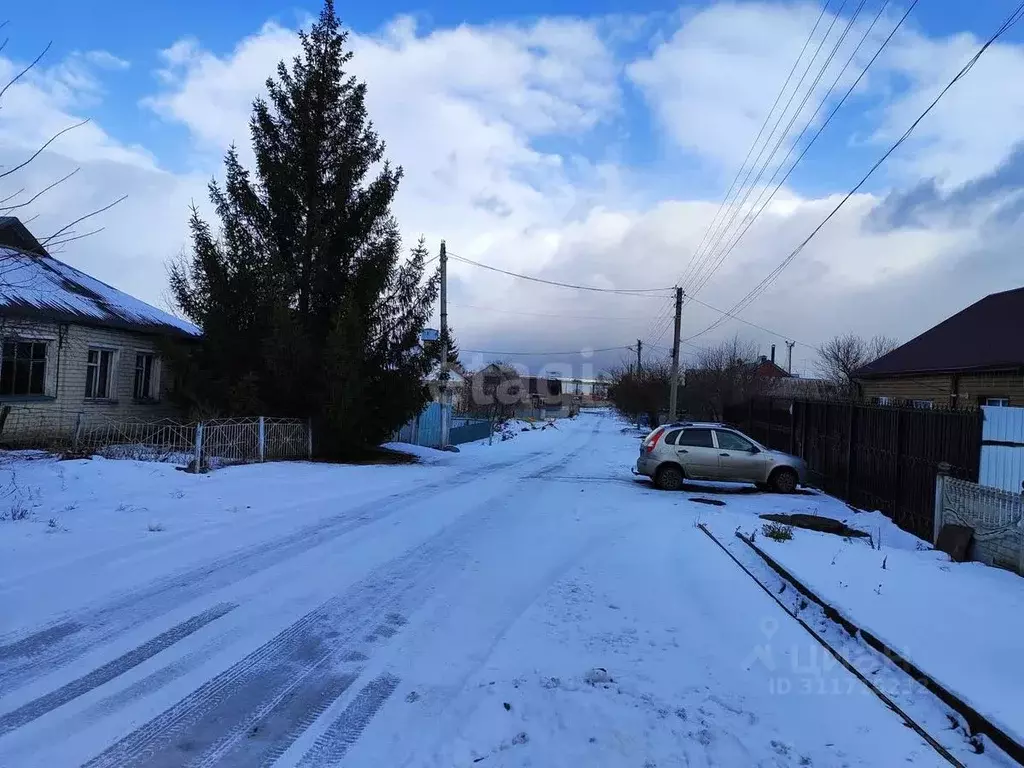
111, 390
672, 435
1004, 402
32, 363
152, 380
750, 443
685, 430
924, 405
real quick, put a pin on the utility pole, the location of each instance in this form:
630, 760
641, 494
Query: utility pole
639, 347
789, 356
443, 373
673, 397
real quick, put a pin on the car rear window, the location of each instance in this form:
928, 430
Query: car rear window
672, 436
697, 438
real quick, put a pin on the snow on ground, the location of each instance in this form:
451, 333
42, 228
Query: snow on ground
524, 603
959, 623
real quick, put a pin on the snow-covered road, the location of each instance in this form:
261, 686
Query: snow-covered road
522, 604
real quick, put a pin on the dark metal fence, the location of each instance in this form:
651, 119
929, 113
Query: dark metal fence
874, 457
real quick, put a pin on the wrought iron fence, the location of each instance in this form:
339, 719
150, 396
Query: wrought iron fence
200, 444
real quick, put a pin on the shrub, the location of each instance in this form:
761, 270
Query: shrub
777, 531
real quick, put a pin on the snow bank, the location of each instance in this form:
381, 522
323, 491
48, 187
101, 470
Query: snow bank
959, 623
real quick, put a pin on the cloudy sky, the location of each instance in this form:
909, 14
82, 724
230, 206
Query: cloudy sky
588, 143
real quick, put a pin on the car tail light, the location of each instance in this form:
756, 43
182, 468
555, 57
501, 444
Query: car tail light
654, 440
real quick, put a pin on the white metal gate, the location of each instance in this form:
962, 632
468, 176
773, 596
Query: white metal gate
1002, 448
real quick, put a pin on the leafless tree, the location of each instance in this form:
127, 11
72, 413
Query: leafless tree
721, 375
16, 199
842, 356
642, 392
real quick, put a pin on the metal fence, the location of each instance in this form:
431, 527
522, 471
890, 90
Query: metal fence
427, 429
202, 443
875, 457
1002, 448
996, 516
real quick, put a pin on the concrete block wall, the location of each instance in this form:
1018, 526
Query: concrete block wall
996, 516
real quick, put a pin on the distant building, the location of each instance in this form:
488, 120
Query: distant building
975, 357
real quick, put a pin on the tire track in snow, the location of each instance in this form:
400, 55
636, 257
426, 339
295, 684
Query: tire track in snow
104, 674
30, 656
207, 725
331, 746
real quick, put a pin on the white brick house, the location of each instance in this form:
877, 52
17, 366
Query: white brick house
70, 344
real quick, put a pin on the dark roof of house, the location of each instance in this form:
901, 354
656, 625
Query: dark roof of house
14, 234
41, 287
988, 335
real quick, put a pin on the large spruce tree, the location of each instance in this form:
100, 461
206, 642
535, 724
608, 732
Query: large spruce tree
306, 304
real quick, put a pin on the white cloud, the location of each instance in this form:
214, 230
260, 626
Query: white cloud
494, 127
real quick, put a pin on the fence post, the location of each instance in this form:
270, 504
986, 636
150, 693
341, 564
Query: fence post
78, 432
792, 428
198, 460
898, 473
263, 440
851, 443
309, 438
940, 495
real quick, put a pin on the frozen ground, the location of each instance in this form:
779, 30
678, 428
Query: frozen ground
522, 604
961, 623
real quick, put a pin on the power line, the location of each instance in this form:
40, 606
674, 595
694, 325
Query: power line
663, 321
572, 352
751, 296
749, 219
710, 252
737, 202
543, 314
752, 325
643, 292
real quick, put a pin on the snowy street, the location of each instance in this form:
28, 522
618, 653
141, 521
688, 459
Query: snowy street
528, 603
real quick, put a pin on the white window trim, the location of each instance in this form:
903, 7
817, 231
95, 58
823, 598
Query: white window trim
50, 367
154, 377
111, 394
1004, 402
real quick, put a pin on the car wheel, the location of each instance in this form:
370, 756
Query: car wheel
669, 478
784, 481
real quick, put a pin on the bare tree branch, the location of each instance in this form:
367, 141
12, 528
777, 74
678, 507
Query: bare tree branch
62, 230
23, 72
38, 194
842, 356
39, 151
66, 240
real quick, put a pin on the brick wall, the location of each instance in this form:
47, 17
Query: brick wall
65, 377
995, 515
971, 388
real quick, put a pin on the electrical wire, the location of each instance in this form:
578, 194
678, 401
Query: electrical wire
543, 314
642, 292
572, 352
761, 287
757, 139
737, 203
720, 236
749, 220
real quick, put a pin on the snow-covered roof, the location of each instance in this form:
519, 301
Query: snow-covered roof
45, 288
454, 377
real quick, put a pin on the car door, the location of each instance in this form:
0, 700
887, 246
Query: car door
739, 459
696, 451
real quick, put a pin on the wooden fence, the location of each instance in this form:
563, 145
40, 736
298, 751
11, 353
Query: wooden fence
874, 457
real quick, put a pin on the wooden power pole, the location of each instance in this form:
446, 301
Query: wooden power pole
639, 348
673, 398
443, 371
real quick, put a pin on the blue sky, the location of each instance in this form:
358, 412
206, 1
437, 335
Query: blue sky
583, 140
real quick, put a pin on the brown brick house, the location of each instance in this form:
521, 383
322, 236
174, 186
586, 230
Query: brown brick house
975, 357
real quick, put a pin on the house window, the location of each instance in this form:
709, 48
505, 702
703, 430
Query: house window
883, 401
998, 401
23, 368
144, 379
921, 404
98, 373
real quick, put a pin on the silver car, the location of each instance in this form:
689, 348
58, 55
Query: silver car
708, 451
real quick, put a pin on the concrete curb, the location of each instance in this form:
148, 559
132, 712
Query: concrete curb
977, 722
